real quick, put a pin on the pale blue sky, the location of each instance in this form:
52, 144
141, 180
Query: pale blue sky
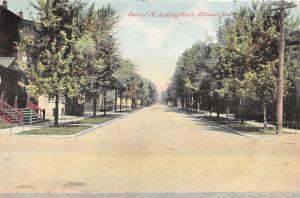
154, 44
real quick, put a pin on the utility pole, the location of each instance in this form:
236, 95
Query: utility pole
281, 6
281, 70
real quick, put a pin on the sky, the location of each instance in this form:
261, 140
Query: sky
151, 37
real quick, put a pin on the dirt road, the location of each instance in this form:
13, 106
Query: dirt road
152, 150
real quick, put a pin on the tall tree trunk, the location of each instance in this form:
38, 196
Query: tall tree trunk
236, 109
196, 104
104, 103
121, 100
218, 107
190, 103
241, 111
199, 104
227, 106
186, 104
56, 110
193, 103
132, 103
265, 114
126, 102
95, 105
116, 99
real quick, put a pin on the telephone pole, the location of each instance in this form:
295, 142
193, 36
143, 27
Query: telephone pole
281, 6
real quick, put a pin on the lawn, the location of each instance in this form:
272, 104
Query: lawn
236, 125
130, 110
61, 130
98, 119
71, 129
4, 125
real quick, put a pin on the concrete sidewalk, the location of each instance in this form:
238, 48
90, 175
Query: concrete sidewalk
250, 122
62, 120
20, 128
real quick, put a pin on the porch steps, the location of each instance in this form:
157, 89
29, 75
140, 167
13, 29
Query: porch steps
30, 116
10, 116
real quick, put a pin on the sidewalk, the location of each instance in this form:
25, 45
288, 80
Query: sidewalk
250, 122
62, 120
44, 124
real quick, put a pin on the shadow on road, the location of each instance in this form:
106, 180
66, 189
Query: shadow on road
198, 119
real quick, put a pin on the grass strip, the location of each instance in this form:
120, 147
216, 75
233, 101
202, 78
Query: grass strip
5, 125
237, 126
53, 130
98, 119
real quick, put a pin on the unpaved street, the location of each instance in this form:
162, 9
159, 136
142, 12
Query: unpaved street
151, 150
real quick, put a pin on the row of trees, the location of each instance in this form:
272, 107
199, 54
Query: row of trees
74, 53
240, 69
134, 87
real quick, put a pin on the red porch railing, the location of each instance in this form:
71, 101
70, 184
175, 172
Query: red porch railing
10, 114
37, 109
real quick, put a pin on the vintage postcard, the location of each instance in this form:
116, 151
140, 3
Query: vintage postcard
149, 98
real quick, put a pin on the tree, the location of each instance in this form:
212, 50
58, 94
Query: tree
258, 27
124, 75
241, 67
236, 58
135, 90
100, 23
49, 66
149, 92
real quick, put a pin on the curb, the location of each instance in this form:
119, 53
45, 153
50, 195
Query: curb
84, 131
76, 134
231, 130
96, 126
224, 127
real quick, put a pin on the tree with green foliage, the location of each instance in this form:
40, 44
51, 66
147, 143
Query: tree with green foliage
124, 75
99, 24
50, 65
241, 66
149, 93
254, 33
135, 90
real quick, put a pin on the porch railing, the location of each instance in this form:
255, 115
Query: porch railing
10, 114
37, 109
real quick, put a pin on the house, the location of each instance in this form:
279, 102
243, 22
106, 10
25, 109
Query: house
16, 105
13, 94
10, 74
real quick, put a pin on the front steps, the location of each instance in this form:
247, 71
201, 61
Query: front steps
30, 116
11, 116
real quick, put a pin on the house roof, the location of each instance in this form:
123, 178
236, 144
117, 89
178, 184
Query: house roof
10, 13
26, 21
9, 63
